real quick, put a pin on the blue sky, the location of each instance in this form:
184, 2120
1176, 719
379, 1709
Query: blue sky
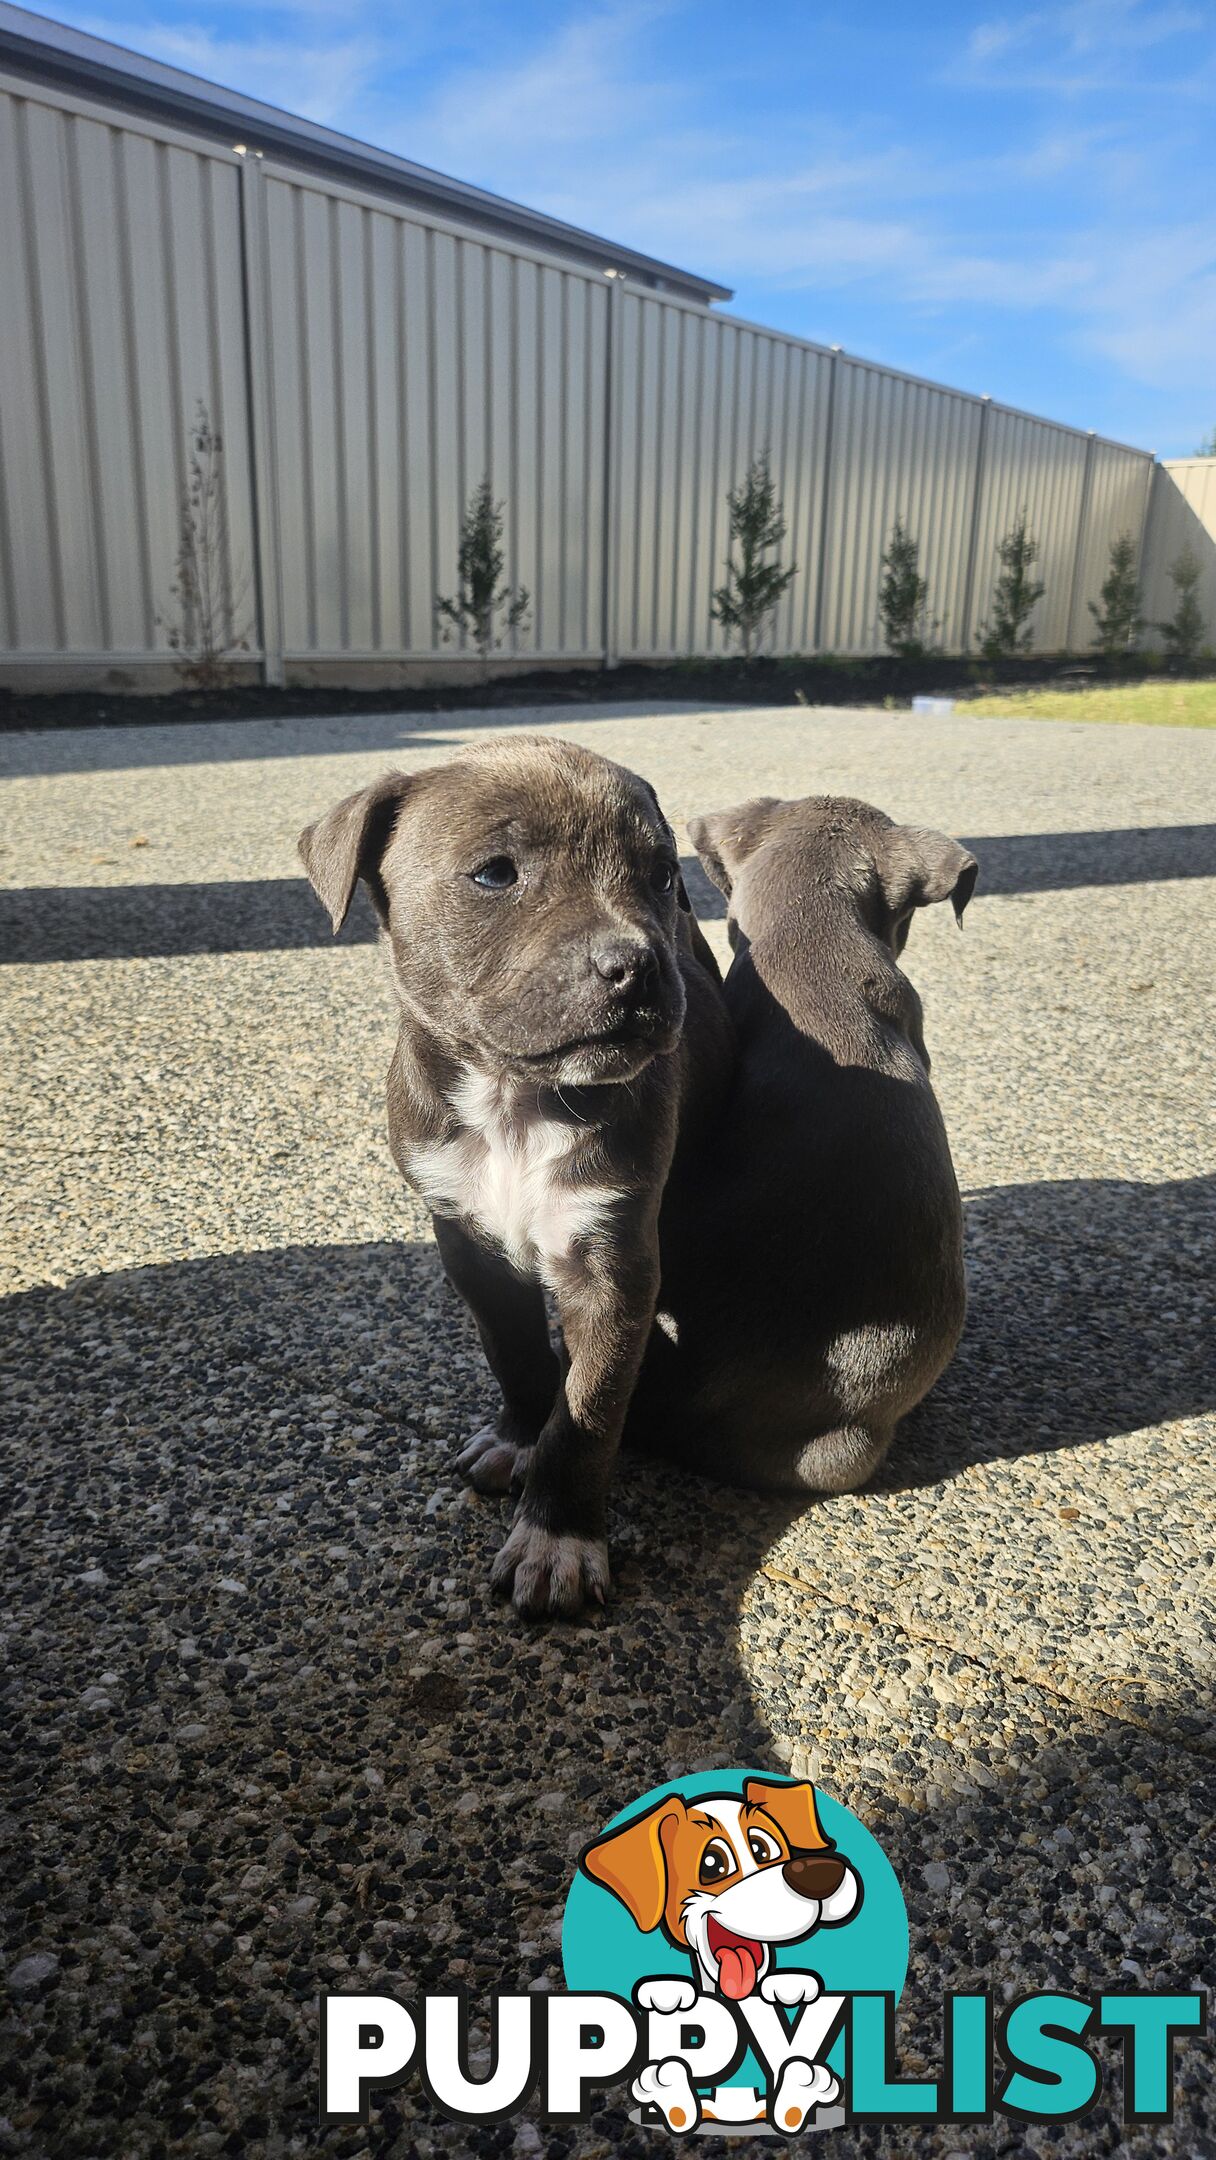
1015, 200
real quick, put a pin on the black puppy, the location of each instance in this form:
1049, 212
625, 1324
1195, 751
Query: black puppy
813, 1283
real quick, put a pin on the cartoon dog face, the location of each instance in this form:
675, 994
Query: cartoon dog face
727, 1878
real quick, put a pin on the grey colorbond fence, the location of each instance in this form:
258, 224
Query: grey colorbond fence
367, 364
1182, 517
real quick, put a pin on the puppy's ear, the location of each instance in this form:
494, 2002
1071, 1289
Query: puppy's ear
632, 1862
349, 842
792, 1808
725, 838
917, 867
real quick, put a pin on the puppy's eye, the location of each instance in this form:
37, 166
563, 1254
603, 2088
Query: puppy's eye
717, 1861
662, 878
762, 1847
496, 875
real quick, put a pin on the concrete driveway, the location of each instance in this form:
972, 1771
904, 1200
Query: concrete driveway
273, 1734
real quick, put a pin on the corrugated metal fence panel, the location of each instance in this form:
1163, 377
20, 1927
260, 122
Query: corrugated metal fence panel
1119, 481
120, 308
1182, 515
397, 359
1037, 467
408, 361
899, 448
696, 398
1031, 466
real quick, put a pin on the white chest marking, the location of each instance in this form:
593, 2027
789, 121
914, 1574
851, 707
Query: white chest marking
503, 1170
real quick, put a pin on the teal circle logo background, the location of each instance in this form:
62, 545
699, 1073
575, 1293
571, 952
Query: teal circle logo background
603, 1951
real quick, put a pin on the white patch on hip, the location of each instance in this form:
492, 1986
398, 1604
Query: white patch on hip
503, 1170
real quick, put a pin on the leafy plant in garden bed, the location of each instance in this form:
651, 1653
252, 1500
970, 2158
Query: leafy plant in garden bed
1118, 616
209, 629
1183, 633
481, 598
903, 597
1016, 595
755, 581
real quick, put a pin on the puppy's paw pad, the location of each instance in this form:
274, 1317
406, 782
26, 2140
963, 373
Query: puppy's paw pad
801, 2088
491, 1464
668, 2087
546, 1574
791, 1987
666, 1994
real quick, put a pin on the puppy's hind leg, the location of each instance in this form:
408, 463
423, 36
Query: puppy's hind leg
840, 1460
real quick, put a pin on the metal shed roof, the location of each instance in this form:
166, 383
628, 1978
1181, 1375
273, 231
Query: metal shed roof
52, 52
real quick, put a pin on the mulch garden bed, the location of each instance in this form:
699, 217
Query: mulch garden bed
762, 681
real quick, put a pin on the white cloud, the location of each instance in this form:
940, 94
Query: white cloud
582, 85
321, 70
1087, 45
577, 129
1153, 311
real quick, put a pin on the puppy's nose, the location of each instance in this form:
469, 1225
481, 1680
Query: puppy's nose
626, 963
814, 1875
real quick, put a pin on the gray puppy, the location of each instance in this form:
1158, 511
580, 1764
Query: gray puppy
563, 1042
813, 1282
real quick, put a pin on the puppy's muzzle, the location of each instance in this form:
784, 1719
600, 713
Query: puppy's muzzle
814, 1875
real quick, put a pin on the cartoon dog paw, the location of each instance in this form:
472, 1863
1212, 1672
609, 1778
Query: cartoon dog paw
666, 1994
801, 2088
791, 1987
668, 2087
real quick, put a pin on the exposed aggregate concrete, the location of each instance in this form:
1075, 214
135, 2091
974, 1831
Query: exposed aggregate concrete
271, 1733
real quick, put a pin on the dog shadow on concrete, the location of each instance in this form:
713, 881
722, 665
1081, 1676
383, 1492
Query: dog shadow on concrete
1090, 1314
271, 1732
108, 922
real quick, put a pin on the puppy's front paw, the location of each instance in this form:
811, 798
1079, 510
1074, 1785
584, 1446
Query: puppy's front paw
791, 1987
801, 2088
545, 1573
491, 1464
668, 2087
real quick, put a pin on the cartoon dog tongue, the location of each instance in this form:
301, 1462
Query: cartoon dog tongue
738, 1961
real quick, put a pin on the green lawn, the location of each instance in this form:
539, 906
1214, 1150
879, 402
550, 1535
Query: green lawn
1149, 704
